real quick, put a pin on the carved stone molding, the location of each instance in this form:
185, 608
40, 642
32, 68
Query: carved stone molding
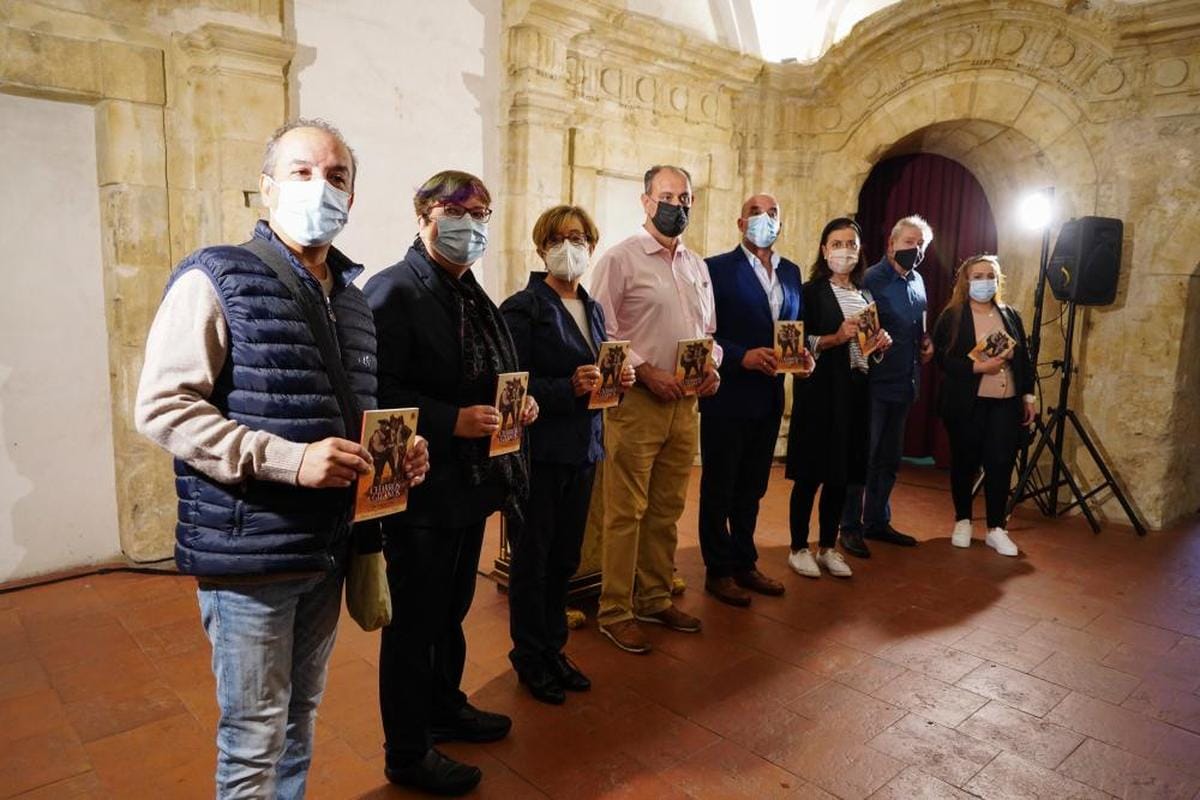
237, 51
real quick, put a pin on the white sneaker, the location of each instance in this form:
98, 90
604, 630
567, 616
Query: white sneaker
802, 563
962, 533
997, 539
832, 560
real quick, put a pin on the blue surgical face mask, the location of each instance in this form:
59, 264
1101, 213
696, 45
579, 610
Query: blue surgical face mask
983, 289
310, 212
461, 241
762, 230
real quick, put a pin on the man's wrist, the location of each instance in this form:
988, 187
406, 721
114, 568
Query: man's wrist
1030, 399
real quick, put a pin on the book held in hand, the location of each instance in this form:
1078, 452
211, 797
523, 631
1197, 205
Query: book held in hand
868, 328
996, 343
386, 435
610, 360
511, 388
789, 346
691, 358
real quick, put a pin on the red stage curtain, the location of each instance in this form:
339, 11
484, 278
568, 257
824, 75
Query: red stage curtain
946, 194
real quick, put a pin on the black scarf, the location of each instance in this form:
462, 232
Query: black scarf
486, 351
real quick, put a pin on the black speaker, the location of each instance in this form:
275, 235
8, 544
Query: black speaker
1087, 261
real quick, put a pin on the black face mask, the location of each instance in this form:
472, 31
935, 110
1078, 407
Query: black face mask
908, 259
670, 220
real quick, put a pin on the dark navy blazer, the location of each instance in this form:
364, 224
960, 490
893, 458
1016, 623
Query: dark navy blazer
550, 345
743, 323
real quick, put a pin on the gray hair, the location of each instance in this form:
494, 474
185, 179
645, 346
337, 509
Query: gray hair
269, 157
913, 221
657, 168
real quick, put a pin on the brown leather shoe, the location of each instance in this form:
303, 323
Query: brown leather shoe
755, 581
725, 590
673, 618
626, 635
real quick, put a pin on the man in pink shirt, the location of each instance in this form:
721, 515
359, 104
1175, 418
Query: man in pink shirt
654, 292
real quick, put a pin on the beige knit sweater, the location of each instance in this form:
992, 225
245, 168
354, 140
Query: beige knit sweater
185, 352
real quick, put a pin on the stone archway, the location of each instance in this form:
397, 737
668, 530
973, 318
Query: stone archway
1013, 135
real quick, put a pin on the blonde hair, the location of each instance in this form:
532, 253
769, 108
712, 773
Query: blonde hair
962, 283
552, 219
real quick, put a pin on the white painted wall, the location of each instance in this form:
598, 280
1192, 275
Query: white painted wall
415, 88
58, 504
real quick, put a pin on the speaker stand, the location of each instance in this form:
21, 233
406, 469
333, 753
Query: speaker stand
1051, 438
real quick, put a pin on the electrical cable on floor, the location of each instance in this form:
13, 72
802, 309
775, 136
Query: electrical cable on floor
137, 570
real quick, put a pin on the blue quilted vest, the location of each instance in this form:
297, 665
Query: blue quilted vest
274, 380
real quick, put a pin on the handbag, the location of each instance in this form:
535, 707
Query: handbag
368, 598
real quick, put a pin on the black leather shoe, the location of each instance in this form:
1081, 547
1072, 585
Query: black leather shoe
891, 536
852, 543
469, 724
436, 774
543, 686
568, 675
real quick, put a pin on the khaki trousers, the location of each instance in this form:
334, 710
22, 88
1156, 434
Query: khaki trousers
650, 446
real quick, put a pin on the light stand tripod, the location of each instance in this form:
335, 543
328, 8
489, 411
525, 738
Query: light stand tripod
1051, 434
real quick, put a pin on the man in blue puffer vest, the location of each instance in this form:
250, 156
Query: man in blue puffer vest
235, 388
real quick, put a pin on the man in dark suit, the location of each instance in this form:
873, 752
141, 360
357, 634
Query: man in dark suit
753, 287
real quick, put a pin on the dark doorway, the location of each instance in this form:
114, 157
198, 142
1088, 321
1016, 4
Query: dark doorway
946, 194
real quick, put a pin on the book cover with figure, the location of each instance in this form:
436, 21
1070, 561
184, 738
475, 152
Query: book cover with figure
996, 343
868, 328
611, 360
511, 388
386, 434
789, 346
691, 356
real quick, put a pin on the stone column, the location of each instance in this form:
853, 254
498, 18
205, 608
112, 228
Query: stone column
535, 146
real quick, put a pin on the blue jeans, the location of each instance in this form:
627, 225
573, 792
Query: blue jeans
874, 512
271, 644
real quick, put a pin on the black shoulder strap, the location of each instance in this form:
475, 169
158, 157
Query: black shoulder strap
318, 320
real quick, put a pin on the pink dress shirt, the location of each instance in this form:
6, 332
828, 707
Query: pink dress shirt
653, 299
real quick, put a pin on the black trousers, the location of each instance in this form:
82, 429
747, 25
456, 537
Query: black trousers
988, 437
829, 512
431, 572
544, 554
737, 455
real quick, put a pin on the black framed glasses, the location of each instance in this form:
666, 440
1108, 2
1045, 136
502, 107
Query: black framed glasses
455, 211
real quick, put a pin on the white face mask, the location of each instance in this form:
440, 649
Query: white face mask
567, 261
310, 212
841, 261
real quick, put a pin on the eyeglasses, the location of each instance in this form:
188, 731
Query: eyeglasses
455, 211
851, 246
574, 237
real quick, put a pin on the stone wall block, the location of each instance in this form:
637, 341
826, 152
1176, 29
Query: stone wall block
237, 220
241, 162
51, 65
195, 221
251, 109
134, 227
1002, 100
954, 98
130, 144
129, 72
1044, 120
146, 515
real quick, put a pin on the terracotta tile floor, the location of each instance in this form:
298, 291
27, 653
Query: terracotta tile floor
1073, 671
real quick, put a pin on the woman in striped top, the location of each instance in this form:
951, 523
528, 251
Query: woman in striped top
827, 436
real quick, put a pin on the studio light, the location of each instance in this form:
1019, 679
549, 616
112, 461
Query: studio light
1035, 210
